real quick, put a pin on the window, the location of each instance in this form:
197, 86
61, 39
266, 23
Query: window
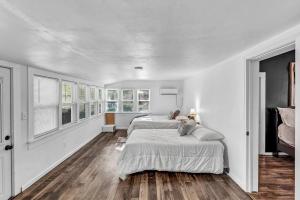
93, 100
83, 105
112, 98
100, 99
68, 105
45, 104
127, 100
143, 97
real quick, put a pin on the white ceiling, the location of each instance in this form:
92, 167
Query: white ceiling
102, 40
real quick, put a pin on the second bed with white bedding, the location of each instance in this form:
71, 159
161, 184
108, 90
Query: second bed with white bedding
165, 150
153, 122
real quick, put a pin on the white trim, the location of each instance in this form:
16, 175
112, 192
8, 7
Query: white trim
132, 100
262, 112
252, 111
138, 100
31, 138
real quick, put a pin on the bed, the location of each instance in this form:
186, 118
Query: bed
165, 150
285, 135
153, 122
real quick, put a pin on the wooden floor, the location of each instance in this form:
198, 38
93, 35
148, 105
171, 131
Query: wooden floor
91, 174
276, 178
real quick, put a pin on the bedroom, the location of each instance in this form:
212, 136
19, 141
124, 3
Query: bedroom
69, 70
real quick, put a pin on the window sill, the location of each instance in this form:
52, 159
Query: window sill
36, 141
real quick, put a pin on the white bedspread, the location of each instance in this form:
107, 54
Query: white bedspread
165, 150
152, 122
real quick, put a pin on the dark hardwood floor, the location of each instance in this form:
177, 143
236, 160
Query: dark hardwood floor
91, 174
276, 178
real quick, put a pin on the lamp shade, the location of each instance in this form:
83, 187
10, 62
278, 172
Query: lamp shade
193, 111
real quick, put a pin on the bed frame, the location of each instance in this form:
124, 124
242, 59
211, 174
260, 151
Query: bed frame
281, 145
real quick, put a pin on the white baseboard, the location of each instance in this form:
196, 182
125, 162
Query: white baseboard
121, 127
55, 164
270, 154
237, 181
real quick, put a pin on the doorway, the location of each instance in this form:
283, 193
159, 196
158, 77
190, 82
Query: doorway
5, 135
267, 89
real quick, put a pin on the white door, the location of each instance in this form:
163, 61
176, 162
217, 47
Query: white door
5, 135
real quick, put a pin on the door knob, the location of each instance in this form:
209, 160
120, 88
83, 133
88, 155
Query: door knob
7, 137
8, 147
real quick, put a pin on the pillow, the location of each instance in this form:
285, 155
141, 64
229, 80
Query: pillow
287, 116
186, 127
170, 115
206, 134
175, 114
181, 118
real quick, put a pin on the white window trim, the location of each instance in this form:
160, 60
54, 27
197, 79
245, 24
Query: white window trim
86, 101
137, 101
133, 100
32, 108
31, 138
100, 100
117, 101
93, 101
73, 104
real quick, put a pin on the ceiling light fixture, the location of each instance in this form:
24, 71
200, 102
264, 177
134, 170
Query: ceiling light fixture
138, 68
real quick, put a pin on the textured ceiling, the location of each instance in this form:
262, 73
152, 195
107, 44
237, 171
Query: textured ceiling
103, 40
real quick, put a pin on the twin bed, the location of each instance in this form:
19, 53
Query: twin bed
154, 144
152, 122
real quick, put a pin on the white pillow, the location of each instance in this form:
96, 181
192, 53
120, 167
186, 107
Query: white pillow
206, 134
181, 118
287, 116
186, 127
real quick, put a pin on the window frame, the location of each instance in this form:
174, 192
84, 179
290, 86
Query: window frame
116, 101
100, 101
138, 100
74, 117
133, 100
85, 102
93, 101
34, 107
31, 137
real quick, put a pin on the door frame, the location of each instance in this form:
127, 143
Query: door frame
253, 112
11, 129
262, 113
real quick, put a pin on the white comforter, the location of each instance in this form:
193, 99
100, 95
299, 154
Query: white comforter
165, 150
152, 122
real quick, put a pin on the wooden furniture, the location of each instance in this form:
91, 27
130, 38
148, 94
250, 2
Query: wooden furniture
109, 118
281, 145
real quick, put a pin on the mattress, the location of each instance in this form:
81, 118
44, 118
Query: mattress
165, 150
152, 122
287, 134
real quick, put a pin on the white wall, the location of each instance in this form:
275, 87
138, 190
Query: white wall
219, 95
159, 104
31, 161
297, 157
